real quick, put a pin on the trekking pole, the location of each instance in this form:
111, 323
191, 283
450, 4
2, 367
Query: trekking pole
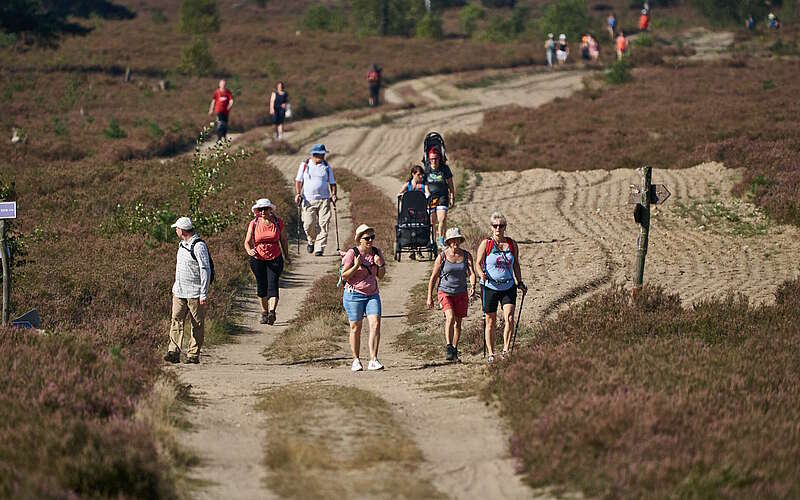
516, 327
299, 221
336, 224
483, 312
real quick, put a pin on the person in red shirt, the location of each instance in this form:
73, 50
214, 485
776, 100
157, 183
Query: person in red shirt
644, 21
622, 45
221, 104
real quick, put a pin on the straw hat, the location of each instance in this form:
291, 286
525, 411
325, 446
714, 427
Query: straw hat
453, 233
363, 228
261, 203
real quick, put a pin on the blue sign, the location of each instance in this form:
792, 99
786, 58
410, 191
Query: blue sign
8, 210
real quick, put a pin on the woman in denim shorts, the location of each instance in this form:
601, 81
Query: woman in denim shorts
362, 266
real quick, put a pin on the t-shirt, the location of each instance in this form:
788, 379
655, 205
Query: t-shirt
267, 238
222, 98
622, 43
365, 279
316, 178
437, 180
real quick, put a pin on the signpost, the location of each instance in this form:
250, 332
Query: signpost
8, 210
646, 194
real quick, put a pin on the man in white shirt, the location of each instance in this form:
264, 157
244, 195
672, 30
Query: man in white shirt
315, 188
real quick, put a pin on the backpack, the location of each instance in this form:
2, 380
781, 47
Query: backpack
356, 253
210, 260
512, 245
373, 76
324, 162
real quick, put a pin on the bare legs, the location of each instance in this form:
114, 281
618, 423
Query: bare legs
439, 216
491, 322
374, 336
452, 328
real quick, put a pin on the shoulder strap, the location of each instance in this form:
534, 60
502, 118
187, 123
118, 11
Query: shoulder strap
489, 245
191, 248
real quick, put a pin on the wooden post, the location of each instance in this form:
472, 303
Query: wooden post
6, 272
643, 207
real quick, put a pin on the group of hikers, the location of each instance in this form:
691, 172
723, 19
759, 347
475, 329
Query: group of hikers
452, 281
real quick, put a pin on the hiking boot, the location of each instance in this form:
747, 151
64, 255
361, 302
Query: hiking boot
172, 357
449, 353
356, 366
263, 319
504, 355
318, 253
455, 354
490, 359
412, 256
193, 360
374, 364
310, 248
271, 318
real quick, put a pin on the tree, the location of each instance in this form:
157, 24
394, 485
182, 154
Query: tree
387, 17
199, 17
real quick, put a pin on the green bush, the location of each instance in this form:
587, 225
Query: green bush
507, 29
114, 131
196, 59
498, 3
322, 18
619, 72
468, 18
199, 16
387, 17
430, 26
643, 40
157, 16
570, 17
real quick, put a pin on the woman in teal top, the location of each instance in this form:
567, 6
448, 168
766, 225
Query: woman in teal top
499, 270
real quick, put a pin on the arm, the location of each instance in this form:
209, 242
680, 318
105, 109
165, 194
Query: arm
211, 107
230, 103
272, 104
452, 188
427, 192
434, 281
201, 252
347, 273
403, 191
481, 261
298, 189
518, 273
332, 185
381, 263
471, 273
248, 241
285, 246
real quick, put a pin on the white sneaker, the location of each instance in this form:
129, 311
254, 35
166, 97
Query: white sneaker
357, 365
374, 364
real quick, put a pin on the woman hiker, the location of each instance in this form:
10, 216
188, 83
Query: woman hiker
498, 268
362, 267
266, 244
451, 269
278, 102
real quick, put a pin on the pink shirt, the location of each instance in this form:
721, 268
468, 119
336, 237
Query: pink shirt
365, 279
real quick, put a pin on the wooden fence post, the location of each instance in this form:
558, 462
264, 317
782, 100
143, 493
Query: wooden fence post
642, 216
6, 272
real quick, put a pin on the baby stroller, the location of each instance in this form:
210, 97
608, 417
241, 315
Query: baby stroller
433, 140
413, 229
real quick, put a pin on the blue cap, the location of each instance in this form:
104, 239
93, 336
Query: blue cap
319, 149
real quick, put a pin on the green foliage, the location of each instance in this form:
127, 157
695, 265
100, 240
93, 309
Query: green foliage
468, 18
196, 59
386, 17
430, 26
59, 128
7, 39
154, 222
16, 243
507, 29
727, 11
199, 16
498, 3
643, 40
157, 16
322, 18
570, 17
619, 71
114, 131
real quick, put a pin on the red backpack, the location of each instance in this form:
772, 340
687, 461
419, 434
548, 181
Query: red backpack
373, 76
512, 245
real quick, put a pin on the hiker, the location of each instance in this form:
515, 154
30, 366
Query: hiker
773, 22
415, 182
439, 179
221, 104
315, 188
750, 23
498, 268
585, 47
362, 267
562, 49
644, 20
267, 245
374, 81
594, 48
550, 50
193, 275
612, 25
622, 45
451, 269
278, 103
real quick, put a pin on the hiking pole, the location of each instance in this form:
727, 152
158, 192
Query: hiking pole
336, 224
299, 221
483, 312
516, 327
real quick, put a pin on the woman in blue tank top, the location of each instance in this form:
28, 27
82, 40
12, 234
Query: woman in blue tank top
499, 270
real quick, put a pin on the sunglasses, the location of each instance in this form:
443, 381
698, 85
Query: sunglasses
368, 238
498, 226
265, 209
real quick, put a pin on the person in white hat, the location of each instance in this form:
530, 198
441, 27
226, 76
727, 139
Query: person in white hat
315, 189
193, 275
562, 49
550, 50
362, 267
451, 270
267, 245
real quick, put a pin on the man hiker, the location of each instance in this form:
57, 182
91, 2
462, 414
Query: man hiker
221, 104
189, 292
315, 188
374, 81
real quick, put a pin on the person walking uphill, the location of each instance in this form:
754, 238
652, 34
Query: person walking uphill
193, 275
439, 178
268, 248
451, 269
498, 268
315, 188
221, 104
362, 267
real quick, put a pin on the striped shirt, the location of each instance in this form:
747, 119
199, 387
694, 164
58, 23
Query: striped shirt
192, 277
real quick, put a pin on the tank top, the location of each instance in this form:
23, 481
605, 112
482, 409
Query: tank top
499, 267
411, 187
267, 239
453, 277
280, 99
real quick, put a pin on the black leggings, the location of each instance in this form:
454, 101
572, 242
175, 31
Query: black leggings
267, 273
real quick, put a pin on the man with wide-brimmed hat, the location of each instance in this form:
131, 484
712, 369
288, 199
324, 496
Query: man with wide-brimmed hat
315, 189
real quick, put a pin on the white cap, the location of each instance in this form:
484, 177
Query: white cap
363, 228
184, 223
562, 36
261, 203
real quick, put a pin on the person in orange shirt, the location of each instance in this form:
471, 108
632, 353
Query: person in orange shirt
622, 45
267, 245
644, 21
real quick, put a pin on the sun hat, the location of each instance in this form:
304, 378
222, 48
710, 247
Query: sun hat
261, 203
319, 149
363, 228
562, 36
453, 233
549, 35
184, 223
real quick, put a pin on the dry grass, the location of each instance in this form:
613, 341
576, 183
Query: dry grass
318, 447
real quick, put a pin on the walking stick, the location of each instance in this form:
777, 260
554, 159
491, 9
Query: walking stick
516, 327
299, 221
336, 223
483, 312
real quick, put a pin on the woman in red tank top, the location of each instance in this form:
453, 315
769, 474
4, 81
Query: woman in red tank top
267, 246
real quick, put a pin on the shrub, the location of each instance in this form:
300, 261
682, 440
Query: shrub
495, 4
643, 40
196, 59
114, 131
468, 18
387, 17
199, 16
430, 26
322, 18
727, 11
157, 16
508, 29
619, 71
565, 16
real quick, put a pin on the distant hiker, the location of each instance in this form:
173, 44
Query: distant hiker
550, 50
193, 275
612, 25
773, 22
451, 270
374, 82
316, 190
562, 49
622, 45
585, 47
362, 267
750, 23
594, 48
644, 20
267, 245
499, 270
221, 104
442, 193
278, 102
415, 182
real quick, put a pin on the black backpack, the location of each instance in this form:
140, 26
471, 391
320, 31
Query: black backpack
210, 259
375, 251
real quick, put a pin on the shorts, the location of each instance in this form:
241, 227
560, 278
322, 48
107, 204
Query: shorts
374, 90
438, 204
561, 55
357, 305
491, 298
267, 273
279, 117
458, 303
